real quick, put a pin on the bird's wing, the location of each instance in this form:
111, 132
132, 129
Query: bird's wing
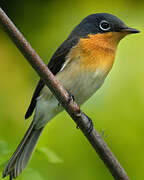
55, 65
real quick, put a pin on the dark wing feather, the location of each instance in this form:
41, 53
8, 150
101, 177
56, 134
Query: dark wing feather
32, 105
55, 66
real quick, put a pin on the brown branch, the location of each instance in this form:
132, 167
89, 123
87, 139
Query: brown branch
63, 97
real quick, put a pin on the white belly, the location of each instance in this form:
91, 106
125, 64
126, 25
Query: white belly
83, 86
80, 85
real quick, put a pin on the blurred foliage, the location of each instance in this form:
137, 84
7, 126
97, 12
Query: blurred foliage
49, 154
117, 107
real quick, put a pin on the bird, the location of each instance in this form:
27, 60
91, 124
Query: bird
80, 64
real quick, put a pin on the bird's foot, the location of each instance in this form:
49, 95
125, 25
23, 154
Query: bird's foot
71, 97
90, 124
90, 127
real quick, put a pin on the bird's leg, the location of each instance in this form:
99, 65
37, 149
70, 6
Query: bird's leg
91, 125
71, 98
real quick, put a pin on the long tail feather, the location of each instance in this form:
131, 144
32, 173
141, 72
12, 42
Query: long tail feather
21, 156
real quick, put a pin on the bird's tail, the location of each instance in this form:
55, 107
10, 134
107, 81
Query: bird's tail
21, 156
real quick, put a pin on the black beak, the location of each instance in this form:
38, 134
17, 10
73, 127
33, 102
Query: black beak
130, 30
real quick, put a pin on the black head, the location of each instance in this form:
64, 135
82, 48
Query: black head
100, 23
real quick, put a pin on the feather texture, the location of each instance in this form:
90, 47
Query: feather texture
55, 65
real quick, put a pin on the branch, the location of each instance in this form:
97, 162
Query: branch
63, 97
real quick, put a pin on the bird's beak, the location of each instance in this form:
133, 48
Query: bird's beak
130, 30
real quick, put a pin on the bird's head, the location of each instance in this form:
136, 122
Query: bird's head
105, 26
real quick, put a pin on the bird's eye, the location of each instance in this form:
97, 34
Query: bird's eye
104, 25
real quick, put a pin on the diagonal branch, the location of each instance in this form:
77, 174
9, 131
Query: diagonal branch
63, 97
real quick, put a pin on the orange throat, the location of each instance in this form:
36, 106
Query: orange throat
97, 51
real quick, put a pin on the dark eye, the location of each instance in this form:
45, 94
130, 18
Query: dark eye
104, 25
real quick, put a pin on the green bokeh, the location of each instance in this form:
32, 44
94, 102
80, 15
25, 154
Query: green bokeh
117, 108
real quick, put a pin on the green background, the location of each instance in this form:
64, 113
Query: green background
117, 108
